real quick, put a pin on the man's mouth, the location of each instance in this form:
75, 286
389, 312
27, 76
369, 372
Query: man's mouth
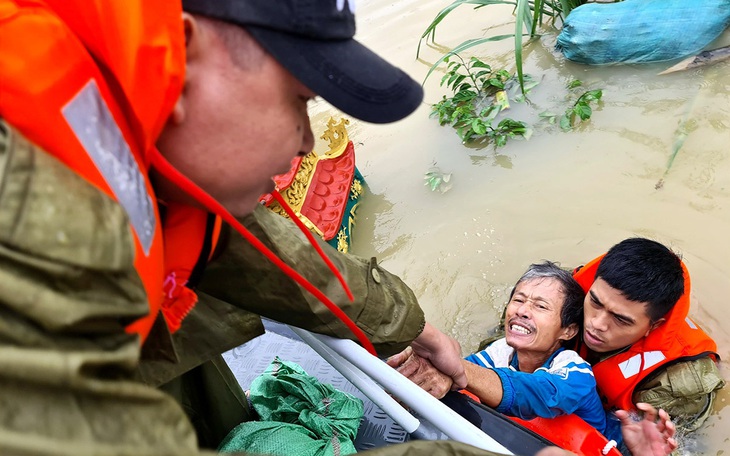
520, 328
592, 339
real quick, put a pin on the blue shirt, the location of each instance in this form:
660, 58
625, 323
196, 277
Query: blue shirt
562, 386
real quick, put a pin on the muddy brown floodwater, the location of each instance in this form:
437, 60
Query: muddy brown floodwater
566, 197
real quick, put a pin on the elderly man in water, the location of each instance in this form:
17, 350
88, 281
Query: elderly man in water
529, 372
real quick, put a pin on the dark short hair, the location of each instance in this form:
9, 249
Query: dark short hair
572, 311
644, 271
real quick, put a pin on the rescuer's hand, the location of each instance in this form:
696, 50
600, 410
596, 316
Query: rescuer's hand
650, 436
421, 372
443, 352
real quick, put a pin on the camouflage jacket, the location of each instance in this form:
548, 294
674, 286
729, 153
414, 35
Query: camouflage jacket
69, 373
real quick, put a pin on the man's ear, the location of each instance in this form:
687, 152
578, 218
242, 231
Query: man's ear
569, 332
655, 325
194, 37
193, 50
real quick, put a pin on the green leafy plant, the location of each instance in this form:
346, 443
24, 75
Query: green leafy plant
529, 15
437, 180
579, 111
480, 94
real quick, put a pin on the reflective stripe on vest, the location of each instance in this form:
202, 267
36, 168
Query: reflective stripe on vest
90, 119
640, 362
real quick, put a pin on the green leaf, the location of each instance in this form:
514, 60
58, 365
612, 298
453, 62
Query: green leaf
565, 123
549, 116
464, 96
483, 73
435, 182
529, 82
591, 95
479, 64
452, 78
537, 16
574, 83
583, 111
458, 80
565, 9
444, 78
431, 29
500, 140
494, 111
479, 127
495, 82
527, 134
522, 16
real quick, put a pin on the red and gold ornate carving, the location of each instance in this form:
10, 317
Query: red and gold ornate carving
318, 187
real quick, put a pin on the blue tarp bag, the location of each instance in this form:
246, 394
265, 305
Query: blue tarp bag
636, 31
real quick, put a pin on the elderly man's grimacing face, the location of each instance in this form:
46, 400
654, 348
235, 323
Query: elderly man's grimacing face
240, 119
533, 317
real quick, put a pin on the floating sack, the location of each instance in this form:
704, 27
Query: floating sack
635, 31
299, 416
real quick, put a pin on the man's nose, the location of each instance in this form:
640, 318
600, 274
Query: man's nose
523, 310
600, 322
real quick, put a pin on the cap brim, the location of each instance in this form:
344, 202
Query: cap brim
346, 74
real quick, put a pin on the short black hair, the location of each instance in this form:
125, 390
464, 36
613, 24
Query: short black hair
644, 271
572, 310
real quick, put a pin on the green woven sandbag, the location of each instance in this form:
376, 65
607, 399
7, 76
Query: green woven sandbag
636, 31
299, 416
285, 439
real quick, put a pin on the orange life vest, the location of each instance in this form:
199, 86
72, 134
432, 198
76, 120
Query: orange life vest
191, 235
679, 338
97, 102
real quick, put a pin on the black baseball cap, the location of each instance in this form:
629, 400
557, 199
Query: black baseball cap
313, 39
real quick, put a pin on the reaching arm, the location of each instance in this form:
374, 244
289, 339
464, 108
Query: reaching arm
484, 383
542, 393
384, 307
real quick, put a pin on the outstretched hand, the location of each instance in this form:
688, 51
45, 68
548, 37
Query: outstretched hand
421, 372
443, 352
649, 436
